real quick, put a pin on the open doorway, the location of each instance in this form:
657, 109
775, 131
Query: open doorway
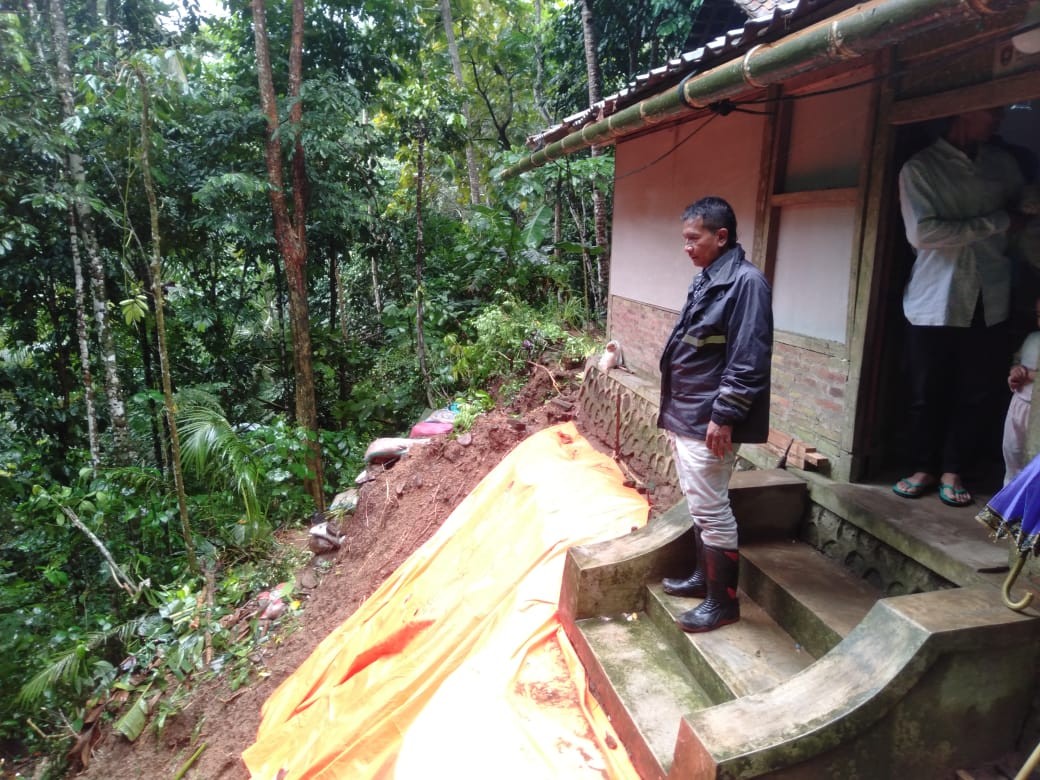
884, 426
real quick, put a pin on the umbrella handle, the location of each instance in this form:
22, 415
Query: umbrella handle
1029, 765
1027, 599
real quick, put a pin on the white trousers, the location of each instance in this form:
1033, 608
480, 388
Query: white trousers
1016, 428
704, 480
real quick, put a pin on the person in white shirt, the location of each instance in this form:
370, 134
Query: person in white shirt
1016, 424
956, 198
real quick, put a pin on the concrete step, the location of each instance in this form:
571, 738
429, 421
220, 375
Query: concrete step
649, 674
925, 683
748, 656
816, 601
642, 684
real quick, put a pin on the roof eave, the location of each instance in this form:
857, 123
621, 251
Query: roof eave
852, 34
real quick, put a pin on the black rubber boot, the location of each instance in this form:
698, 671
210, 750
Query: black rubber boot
694, 586
721, 607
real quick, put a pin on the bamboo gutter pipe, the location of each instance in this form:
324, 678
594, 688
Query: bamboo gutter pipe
861, 30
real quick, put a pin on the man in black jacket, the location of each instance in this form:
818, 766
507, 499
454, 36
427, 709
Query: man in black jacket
715, 374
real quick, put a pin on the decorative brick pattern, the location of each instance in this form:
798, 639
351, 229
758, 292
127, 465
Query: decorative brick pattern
882, 566
621, 409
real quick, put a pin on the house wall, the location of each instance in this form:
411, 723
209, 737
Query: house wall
656, 177
811, 257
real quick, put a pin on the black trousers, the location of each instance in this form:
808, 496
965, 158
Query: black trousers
953, 373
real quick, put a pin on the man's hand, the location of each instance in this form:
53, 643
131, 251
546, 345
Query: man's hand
719, 439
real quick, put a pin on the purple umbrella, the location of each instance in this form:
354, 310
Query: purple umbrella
1014, 513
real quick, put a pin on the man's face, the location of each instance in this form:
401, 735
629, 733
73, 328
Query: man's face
980, 126
702, 245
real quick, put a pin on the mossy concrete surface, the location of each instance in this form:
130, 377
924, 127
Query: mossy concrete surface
926, 683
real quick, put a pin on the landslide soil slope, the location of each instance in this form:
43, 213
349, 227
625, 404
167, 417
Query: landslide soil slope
397, 512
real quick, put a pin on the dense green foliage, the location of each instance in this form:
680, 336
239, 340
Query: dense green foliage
97, 600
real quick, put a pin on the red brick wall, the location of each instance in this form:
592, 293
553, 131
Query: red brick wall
808, 399
641, 329
809, 396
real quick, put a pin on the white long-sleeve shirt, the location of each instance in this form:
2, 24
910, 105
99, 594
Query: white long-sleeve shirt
1029, 356
954, 212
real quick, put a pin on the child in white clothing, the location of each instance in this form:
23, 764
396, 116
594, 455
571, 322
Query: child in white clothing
1016, 426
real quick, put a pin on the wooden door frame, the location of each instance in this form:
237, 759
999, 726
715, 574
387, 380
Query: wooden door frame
868, 336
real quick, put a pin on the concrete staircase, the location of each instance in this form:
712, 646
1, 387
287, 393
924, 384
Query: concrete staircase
822, 677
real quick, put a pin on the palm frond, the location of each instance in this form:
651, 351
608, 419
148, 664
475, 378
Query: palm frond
69, 666
212, 445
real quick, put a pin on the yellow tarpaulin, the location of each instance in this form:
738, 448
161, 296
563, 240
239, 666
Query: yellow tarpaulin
457, 666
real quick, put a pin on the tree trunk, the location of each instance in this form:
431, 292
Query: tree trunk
290, 229
74, 162
456, 66
373, 268
539, 65
340, 318
590, 286
599, 204
84, 345
558, 231
377, 297
160, 330
420, 252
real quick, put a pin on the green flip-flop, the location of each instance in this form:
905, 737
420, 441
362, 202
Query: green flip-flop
955, 496
912, 489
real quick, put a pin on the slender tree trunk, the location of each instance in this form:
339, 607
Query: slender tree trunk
558, 231
290, 229
591, 289
284, 363
340, 319
144, 343
377, 297
74, 162
160, 330
84, 345
539, 65
373, 268
599, 204
420, 257
456, 66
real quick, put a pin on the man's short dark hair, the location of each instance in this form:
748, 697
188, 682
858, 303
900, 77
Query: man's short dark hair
715, 213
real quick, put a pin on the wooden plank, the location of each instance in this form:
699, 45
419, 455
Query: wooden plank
777, 174
999, 92
792, 451
833, 195
780, 439
867, 309
815, 460
801, 448
768, 160
795, 460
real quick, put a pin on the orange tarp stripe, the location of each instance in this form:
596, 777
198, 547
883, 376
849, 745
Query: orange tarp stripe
457, 666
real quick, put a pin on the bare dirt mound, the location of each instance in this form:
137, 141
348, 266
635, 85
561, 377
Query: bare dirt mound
396, 513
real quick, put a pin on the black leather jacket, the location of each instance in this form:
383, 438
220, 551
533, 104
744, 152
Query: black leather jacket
716, 363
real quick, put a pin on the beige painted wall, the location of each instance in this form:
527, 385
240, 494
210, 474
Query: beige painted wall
647, 259
811, 271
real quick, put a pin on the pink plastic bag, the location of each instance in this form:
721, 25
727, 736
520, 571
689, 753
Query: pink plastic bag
430, 428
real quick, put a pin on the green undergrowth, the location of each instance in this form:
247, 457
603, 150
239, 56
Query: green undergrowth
103, 622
